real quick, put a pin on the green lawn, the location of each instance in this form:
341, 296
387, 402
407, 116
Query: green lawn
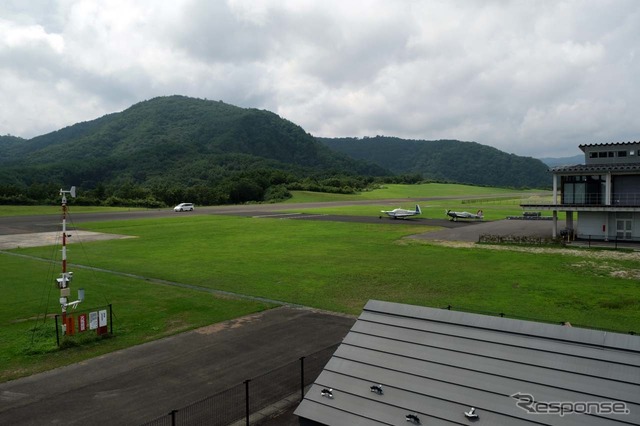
339, 266
142, 311
327, 265
40, 210
427, 190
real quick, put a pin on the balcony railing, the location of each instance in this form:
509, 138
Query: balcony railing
597, 199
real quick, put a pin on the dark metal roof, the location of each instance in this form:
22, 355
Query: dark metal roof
437, 364
597, 168
610, 144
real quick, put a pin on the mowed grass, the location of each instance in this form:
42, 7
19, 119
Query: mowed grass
44, 210
328, 265
398, 191
142, 312
496, 203
339, 266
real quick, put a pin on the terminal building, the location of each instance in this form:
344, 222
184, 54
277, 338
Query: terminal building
604, 193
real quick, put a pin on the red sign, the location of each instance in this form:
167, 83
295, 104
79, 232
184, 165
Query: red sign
82, 323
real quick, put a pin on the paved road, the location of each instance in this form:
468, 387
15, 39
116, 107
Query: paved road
136, 385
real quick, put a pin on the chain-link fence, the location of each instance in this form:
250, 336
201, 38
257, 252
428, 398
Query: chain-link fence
236, 404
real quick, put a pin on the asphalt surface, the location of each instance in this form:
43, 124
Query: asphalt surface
139, 384
136, 385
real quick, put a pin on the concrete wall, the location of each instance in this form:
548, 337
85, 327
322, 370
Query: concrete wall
590, 224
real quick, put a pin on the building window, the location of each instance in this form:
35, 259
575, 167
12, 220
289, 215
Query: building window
610, 154
593, 155
622, 153
602, 154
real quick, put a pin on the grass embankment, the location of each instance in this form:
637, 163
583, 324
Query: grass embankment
397, 191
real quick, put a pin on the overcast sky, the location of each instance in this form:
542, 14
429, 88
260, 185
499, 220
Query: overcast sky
534, 78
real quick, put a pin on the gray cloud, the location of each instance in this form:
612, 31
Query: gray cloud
532, 78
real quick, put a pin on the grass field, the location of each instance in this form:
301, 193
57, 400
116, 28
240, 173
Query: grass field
328, 265
38, 210
396, 191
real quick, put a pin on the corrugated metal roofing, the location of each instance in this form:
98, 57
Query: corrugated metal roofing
437, 364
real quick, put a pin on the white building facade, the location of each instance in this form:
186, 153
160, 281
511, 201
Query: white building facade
604, 193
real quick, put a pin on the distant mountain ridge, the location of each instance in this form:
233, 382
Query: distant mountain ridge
563, 161
175, 138
175, 148
446, 160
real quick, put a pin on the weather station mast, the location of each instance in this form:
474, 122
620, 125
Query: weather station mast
64, 281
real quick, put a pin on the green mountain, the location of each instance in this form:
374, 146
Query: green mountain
446, 160
174, 141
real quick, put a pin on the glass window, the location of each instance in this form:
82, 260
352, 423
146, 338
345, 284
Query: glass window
602, 154
622, 153
593, 155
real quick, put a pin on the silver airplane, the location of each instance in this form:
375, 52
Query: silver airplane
402, 213
464, 215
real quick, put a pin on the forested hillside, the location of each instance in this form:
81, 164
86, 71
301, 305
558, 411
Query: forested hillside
446, 160
172, 149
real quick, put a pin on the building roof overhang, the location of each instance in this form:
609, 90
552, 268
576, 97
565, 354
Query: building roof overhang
610, 144
596, 169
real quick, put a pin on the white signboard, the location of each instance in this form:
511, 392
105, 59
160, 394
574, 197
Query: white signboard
93, 320
102, 318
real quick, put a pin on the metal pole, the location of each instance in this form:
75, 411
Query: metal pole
111, 319
64, 260
301, 378
246, 399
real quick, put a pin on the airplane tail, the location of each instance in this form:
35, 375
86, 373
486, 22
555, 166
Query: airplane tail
480, 214
418, 211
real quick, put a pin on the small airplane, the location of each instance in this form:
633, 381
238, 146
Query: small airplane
464, 215
402, 213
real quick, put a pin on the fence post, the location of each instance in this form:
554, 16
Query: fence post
173, 417
246, 399
111, 318
301, 378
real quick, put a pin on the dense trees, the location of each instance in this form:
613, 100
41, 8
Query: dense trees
171, 149
446, 161
174, 149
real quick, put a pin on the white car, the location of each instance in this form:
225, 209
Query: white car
184, 207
